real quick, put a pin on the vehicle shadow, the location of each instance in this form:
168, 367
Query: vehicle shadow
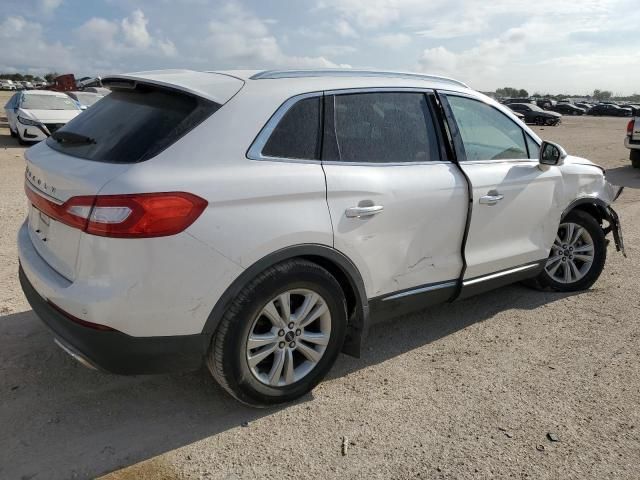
627, 176
61, 420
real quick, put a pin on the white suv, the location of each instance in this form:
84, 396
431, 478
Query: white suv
259, 221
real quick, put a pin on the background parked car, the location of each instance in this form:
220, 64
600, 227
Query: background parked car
509, 101
632, 141
534, 114
34, 115
545, 103
584, 105
85, 99
567, 109
610, 110
635, 109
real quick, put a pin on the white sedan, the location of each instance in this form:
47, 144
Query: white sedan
35, 115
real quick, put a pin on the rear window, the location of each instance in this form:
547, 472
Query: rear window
130, 126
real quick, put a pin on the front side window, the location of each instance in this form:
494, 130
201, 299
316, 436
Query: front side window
487, 134
297, 135
384, 127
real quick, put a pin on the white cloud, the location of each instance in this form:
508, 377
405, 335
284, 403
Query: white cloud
106, 41
393, 40
344, 29
25, 48
336, 50
48, 6
135, 31
241, 39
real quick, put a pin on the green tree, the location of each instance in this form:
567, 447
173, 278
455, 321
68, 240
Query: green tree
602, 94
50, 77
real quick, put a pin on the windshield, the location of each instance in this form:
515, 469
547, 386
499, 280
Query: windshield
47, 102
88, 99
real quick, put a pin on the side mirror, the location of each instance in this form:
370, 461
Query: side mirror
551, 154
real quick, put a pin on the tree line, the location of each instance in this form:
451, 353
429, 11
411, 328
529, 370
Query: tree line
598, 95
26, 77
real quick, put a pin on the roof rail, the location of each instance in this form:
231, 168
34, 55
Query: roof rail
346, 72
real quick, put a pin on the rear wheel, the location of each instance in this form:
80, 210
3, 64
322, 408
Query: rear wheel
634, 156
281, 334
577, 256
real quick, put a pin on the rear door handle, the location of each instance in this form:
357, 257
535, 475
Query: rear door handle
358, 212
491, 199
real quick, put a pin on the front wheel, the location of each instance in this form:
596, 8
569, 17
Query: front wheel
577, 256
281, 334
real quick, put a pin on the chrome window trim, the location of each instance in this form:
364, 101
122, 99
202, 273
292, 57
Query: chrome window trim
255, 150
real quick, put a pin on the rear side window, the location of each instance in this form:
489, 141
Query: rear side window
297, 134
130, 126
487, 133
382, 128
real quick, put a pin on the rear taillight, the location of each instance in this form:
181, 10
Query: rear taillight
141, 215
630, 127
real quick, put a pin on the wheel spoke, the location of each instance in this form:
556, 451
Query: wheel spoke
276, 369
574, 270
260, 340
567, 273
320, 310
576, 236
568, 234
310, 301
271, 312
309, 352
583, 249
285, 306
261, 355
583, 258
552, 271
315, 338
289, 375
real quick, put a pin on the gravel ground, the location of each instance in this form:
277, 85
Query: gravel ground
467, 390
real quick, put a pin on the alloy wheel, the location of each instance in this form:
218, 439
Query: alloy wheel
572, 254
289, 337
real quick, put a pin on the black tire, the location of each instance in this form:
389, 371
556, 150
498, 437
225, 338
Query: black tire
634, 156
545, 282
539, 121
13, 134
20, 140
226, 358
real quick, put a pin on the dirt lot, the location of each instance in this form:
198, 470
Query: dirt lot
468, 390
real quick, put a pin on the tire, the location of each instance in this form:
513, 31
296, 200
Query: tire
539, 121
589, 272
13, 134
21, 141
228, 357
634, 156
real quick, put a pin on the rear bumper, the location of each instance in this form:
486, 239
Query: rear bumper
632, 145
115, 351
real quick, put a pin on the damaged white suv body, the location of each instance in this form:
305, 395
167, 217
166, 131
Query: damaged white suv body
258, 221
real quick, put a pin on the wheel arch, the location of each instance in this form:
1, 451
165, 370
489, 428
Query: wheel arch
594, 206
330, 259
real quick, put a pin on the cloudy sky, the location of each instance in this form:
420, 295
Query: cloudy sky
543, 45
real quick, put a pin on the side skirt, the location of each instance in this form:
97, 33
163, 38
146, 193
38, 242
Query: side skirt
415, 299
485, 283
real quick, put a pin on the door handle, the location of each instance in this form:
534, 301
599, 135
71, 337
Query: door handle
359, 212
491, 199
